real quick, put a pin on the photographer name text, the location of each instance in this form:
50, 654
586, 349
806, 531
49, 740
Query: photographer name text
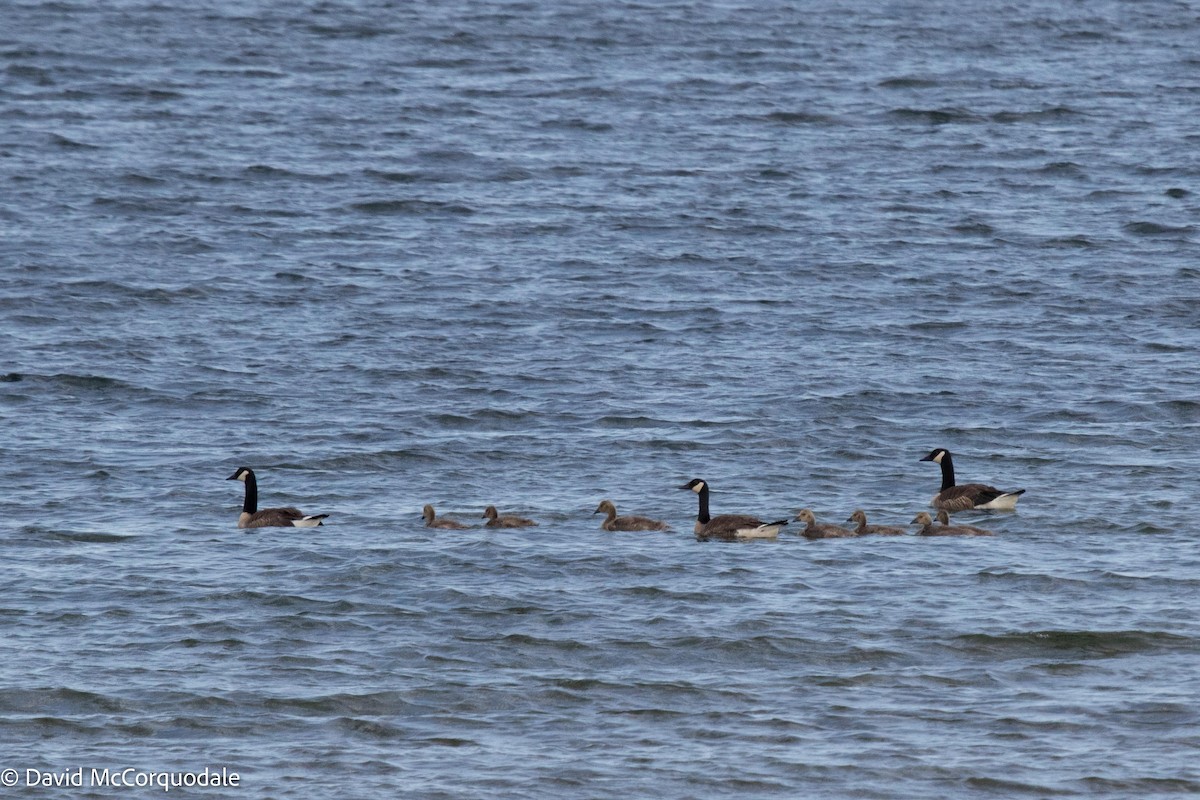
123, 778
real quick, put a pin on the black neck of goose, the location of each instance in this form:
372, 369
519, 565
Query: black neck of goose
251, 504
703, 516
947, 472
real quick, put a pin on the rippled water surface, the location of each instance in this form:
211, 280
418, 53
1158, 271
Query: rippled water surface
538, 254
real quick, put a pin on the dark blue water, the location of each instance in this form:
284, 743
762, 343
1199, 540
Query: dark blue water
536, 255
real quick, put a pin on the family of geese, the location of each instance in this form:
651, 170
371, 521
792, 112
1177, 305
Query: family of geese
726, 527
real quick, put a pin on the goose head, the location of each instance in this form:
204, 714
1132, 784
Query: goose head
241, 474
805, 515
937, 454
858, 516
490, 513
606, 507
696, 485
922, 518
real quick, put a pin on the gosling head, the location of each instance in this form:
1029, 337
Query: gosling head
605, 507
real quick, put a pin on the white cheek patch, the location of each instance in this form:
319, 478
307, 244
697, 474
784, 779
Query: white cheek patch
938, 458
698, 488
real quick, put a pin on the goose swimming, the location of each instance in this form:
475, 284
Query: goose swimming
863, 529
252, 517
434, 521
820, 530
626, 523
728, 527
929, 529
497, 520
968, 496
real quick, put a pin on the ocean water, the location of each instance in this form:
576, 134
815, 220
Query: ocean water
538, 254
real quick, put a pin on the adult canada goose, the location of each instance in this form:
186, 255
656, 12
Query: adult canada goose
929, 529
863, 528
433, 521
497, 520
820, 530
969, 495
728, 527
627, 523
251, 517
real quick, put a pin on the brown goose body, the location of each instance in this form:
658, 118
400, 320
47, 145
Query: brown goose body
864, 529
820, 530
929, 529
497, 520
628, 522
967, 496
432, 520
254, 517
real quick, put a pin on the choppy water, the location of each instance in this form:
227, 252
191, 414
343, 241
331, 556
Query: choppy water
536, 254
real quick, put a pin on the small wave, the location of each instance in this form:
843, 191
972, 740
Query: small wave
937, 325
1143, 787
68, 381
349, 705
1144, 228
372, 728
60, 701
934, 116
267, 171
1038, 580
415, 207
1008, 787
908, 82
85, 537
1064, 242
1052, 113
1076, 644
799, 118
71, 144
577, 124
974, 229
1062, 169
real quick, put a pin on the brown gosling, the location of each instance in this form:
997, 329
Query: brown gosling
497, 520
433, 521
820, 530
929, 529
860, 517
626, 523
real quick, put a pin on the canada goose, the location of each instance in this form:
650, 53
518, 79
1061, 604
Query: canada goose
728, 527
969, 495
431, 520
863, 528
251, 517
628, 523
496, 520
820, 530
929, 529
